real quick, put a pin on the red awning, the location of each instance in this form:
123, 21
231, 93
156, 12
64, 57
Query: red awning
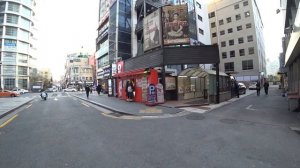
130, 73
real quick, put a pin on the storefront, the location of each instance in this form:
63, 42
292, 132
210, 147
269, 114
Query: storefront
103, 76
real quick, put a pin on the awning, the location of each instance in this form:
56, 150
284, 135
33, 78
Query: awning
130, 73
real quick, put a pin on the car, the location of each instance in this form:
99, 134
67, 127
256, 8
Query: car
252, 86
20, 91
242, 88
8, 93
70, 90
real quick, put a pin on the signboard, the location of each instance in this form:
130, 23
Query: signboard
120, 66
152, 30
160, 93
170, 83
113, 69
151, 95
175, 25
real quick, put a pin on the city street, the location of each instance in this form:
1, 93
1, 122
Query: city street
67, 132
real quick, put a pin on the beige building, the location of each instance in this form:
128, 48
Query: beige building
237, 28
78, 71
45, 74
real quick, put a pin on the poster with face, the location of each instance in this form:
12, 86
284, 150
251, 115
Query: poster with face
152, 30
175, 25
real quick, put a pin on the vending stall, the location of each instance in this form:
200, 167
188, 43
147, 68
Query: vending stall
139, 79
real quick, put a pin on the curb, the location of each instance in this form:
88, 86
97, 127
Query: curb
15, 108
104, 106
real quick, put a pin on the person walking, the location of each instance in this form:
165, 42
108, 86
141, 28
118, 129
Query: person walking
266, 87
258, 88
98, 89
87, 91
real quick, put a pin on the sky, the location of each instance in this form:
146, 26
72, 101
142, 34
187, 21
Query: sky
65, 26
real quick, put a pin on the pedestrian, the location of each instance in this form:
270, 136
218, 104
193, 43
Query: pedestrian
258, 88
236, 88
98, 89
129, 90
87, 91
266, 87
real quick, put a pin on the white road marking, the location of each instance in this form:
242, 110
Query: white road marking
55, 99
29, 106
249, 108
85, 104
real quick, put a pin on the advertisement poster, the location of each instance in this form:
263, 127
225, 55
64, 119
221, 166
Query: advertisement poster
175, 25
144, 88
170, 83
152, 32
160, 93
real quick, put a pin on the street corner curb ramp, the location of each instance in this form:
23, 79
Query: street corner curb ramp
15, 108
104, 106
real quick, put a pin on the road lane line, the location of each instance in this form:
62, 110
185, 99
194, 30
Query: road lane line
29, 106
85, 104
249, 108
8, 121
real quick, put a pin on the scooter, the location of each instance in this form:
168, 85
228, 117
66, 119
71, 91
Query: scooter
44, 96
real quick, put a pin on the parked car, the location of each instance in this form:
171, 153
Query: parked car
20, 91
252, 86
242, 88
70, 90
8, 93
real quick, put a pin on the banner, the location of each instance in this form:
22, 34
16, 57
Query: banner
175, 25
152, 30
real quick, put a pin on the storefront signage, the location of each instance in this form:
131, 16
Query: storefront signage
170, 83
113, 69
120, 66
106, 72
151, 95
160, 93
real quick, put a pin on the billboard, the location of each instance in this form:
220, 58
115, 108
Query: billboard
175, 25
152, 30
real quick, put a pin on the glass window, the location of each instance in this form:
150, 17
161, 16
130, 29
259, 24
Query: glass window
214, 34
248, 25
222, 32
199, 17
201, 31
241, 40
25, 23
9, 70
213, 24
2, 6
10, 18
245, 3
250, 38
14, 7
228, 19
9, 83
26, 11
230, 30
223, 44
24, 34
221, 22
11, 31
242, 52
1, 18
199, 5
236, 6
224, 54
232, 53
247, 14
22, 83
211, 15
22, 70
239, 28
251, 50
231, 42
1, 33
238, 17
9, 58
24, 47
10, 45
229, 66
247, 64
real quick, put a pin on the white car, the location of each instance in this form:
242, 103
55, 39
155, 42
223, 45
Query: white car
20, 91
23, 91
252, 86
70, 90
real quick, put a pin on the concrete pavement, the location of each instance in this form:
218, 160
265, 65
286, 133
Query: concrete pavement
10, 104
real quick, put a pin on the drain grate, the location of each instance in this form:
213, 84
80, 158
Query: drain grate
228, 121
195, 117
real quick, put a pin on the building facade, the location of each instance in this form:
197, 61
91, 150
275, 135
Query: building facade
237, 28
17, 31
78, 71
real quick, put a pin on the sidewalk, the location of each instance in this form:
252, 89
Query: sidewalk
7, 105
140, 109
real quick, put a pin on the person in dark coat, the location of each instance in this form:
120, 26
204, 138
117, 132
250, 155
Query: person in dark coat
129, 90
266, 87
87, 91
258, 88
99, 88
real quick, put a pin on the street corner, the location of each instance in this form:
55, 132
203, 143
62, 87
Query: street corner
150, 110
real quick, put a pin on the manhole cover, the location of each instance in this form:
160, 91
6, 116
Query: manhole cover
228, 121
195, 117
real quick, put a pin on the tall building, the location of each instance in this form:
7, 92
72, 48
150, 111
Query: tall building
114, 37
17, 31
237, 28
203, 34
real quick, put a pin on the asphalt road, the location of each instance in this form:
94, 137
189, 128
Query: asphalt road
66, 132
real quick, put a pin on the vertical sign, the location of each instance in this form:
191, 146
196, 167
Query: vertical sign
152, 30
151, 95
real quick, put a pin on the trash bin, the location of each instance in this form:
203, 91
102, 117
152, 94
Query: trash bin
205, 93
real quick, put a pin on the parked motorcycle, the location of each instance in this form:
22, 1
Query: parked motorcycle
44, 96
